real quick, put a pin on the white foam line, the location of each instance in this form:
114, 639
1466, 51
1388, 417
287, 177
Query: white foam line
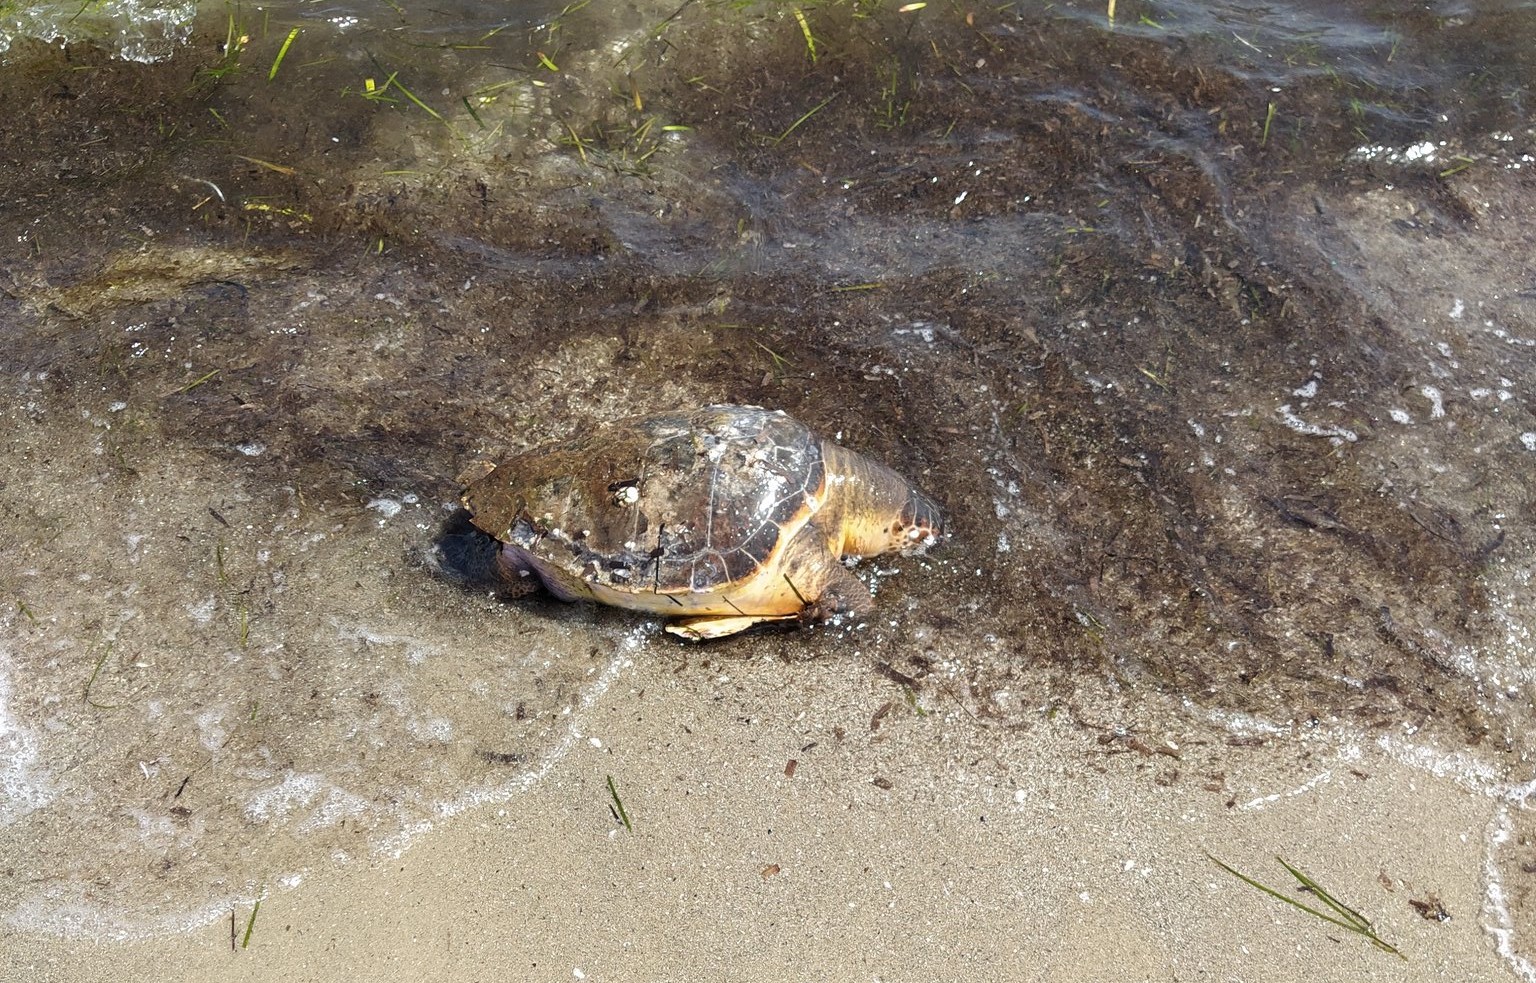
1238, 723
22, 790
1475, 776
1463, 769
1301, 426
1497, 920
1307, 786
1470, 773
1478, 776
76, 919
398, 843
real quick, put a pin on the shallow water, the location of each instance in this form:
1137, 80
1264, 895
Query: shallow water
1214, 332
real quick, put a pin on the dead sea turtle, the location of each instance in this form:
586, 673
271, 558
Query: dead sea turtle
722, 517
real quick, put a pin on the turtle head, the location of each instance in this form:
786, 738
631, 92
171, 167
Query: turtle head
904, 520
922, 523
874, 510
917, 526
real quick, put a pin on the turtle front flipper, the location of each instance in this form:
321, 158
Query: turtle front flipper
805, 583
705, 627
843, 594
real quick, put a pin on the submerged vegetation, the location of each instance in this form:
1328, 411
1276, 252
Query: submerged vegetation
847, 67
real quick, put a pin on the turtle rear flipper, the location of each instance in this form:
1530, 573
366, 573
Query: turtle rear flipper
465, 554
476, 559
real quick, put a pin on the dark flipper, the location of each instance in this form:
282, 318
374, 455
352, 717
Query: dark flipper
471, 557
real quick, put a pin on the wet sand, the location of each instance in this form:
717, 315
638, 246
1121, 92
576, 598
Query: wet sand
1036, 854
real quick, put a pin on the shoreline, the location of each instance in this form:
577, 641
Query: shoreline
925, 847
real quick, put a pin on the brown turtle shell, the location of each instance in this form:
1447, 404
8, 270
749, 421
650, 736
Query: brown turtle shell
669, 503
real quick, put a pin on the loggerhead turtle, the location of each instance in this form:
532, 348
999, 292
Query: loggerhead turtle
720, 517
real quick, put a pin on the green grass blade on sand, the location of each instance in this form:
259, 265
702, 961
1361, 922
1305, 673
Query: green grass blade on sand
1347, 918
618, 805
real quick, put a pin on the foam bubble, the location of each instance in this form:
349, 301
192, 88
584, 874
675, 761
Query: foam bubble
22, 788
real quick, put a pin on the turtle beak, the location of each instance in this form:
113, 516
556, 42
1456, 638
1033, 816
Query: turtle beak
923, 518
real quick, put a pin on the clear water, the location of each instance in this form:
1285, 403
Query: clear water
1213, 329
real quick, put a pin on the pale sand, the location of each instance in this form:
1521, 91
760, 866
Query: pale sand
1044, 854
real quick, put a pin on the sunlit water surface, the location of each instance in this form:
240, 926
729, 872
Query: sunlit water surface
242, 677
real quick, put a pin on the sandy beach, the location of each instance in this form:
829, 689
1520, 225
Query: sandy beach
929, 847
